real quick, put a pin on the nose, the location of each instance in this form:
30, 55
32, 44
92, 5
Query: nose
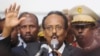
79, 30
54, 30
28, 29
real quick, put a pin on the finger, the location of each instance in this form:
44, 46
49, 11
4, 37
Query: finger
13, 7
58, 53
9, 10
21, 19
6, 11
17, 9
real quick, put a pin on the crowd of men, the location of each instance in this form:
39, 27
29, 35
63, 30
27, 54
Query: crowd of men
19, 34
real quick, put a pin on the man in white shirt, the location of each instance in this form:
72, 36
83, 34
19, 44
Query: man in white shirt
55, 26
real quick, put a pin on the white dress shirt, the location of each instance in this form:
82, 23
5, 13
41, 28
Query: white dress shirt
21, 42
60, 50
1, 38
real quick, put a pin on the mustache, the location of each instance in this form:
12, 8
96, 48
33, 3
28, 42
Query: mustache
54, 36
27, 34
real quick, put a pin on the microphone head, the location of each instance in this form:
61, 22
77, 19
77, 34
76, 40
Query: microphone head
54, 43
44, 46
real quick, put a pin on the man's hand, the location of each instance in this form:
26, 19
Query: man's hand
12, 16
58, 54
11, 19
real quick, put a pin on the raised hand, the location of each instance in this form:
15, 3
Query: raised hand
11, 19
12, 16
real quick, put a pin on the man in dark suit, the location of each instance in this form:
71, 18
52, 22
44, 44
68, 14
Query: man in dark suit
28, 28
55, 27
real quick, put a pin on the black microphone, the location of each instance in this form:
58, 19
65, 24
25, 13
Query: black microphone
44, 47
54, 45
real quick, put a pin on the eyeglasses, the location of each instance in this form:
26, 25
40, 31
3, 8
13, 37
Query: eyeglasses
57, 28
81, 26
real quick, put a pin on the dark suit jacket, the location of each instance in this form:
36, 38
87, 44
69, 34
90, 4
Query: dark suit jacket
72, 51
95, 52
33, 48
6, 50
5, 47
30, 50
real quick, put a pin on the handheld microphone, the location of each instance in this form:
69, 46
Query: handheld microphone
44, 47
54, 45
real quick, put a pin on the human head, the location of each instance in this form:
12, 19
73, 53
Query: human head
55, 23
29, 27
83, 22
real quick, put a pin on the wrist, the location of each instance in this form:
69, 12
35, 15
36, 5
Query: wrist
6, 32
1, 37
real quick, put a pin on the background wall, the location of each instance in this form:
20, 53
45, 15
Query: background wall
42, 7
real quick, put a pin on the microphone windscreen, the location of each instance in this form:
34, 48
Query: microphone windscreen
44, 46
54, 43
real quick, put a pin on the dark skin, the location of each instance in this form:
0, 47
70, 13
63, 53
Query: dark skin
85, 36
12, 21
14, 37
54, 24
28, 28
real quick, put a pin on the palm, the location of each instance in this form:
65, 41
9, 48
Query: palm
12, 16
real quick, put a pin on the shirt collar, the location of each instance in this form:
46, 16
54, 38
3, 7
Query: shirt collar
22, 43
61, 49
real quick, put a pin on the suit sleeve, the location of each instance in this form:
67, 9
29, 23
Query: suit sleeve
5, 49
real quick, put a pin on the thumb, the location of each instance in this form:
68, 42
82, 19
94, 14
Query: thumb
21, 19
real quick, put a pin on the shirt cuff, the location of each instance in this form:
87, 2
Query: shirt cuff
1, 38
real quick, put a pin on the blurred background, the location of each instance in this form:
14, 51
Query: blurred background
42, 7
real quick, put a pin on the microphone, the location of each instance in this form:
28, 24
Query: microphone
54, 45
44, 47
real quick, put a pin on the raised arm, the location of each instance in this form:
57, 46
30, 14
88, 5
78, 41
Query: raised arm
11, 15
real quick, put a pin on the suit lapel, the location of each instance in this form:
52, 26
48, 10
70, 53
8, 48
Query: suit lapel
66, 51
32, 48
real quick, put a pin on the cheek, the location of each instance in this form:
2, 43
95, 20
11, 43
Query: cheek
47, 35
75, 31
22, 32
61, 35
86, 32
34, 31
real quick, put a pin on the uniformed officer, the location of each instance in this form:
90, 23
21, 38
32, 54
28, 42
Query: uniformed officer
83, 23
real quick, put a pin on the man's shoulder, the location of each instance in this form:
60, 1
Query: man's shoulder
72, 48
74, 51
